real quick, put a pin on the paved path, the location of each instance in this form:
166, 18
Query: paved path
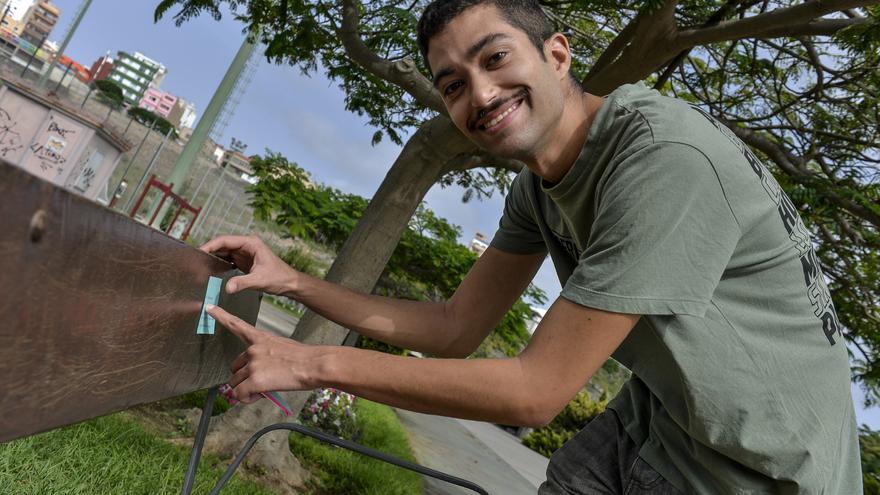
276, 320
476, 451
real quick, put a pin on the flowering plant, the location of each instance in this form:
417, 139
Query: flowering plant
331, 411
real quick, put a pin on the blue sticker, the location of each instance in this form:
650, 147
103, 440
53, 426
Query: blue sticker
212, 296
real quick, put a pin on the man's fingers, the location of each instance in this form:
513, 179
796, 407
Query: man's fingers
240, 361
234, 324
224, 243
244, 393
239, 376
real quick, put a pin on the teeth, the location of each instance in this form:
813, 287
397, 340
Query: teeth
496, 120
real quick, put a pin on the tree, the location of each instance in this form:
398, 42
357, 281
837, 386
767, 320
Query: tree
111, 95
152, 119
869, 443
797, 82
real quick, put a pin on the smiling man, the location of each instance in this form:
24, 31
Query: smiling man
679, 256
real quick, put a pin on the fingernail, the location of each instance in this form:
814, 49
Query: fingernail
209, 307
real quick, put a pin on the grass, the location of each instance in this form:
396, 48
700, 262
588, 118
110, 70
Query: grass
108, 455
339, 471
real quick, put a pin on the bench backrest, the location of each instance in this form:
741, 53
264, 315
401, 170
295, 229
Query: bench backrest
98, 312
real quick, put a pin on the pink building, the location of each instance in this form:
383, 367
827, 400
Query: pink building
158, 101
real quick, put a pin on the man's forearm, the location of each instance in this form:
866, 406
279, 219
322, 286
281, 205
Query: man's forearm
495, 390
416, 325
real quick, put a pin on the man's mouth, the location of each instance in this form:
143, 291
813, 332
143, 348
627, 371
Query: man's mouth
495, 121
489, 122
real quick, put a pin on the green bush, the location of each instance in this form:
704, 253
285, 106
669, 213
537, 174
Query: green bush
301, 261
364, 342
340, 471
580, 411
331, 411
869, 441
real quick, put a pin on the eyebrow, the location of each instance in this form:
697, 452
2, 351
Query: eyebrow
471, 53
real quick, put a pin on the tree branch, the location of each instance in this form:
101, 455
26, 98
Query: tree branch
788, 163
778, 22
402, 73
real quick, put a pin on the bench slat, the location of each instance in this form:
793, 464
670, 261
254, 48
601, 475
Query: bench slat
98, 312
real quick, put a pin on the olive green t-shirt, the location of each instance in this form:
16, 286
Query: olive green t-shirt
741, 381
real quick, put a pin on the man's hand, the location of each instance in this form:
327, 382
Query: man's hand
269, 362
265, 271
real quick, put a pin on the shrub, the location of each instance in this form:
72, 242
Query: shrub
580, 411
300, 260
331, 411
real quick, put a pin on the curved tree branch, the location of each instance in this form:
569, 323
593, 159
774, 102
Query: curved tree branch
789, 164
403, 73
779, 22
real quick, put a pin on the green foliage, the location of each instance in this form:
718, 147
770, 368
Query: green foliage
336, 470
428, 263
580, 411
149, 118
300, 260
364, 342
869, 442
333, 412
110, 92
197, 399
284, 194
111, 454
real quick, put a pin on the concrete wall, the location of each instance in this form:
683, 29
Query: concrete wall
55, 144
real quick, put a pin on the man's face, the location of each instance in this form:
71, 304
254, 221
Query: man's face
499, 91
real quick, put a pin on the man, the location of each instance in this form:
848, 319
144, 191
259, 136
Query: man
678, 254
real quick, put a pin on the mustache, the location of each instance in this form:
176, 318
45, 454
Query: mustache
495, 105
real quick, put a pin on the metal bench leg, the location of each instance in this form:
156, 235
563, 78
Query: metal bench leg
346, 445
199, 441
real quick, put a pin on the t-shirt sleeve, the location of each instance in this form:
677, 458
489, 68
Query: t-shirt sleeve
662, 237
518, 231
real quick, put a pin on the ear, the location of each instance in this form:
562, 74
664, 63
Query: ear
557, 52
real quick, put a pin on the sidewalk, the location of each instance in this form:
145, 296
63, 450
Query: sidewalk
473, 450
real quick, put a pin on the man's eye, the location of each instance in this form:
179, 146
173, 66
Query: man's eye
497, 57
451, 88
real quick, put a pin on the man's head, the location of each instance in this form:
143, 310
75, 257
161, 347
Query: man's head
502, 70
525, 15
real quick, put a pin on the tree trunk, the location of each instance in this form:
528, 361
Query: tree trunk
358, 265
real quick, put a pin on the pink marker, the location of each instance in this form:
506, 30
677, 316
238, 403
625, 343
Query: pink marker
276, 399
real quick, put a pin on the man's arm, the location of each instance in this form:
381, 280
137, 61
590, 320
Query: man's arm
453, 328
569, 345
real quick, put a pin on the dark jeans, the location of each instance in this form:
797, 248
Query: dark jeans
602, 459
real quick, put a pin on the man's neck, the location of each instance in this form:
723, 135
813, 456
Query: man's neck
574, 127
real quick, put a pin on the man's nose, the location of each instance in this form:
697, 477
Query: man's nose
483, 92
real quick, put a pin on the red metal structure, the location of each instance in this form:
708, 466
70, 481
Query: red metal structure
182, 204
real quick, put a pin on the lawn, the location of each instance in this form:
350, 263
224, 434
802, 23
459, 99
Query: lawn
108, 455
118, 454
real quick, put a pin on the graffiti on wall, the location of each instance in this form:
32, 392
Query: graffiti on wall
93, 159
51, 153
10, 140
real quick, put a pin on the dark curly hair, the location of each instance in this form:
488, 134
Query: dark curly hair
525, 15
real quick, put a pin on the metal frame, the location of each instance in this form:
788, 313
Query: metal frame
202, 432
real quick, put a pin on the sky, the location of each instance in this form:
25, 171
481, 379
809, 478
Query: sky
301, 117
